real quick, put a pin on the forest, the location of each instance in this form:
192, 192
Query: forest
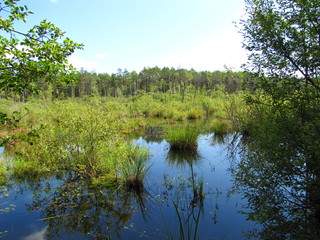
151, 79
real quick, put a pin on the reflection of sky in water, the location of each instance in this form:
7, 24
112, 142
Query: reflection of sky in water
220, 219
37, 235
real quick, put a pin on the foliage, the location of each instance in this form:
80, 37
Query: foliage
283, 40
282, 191
183, 87
39, 54
282, 151
29, 59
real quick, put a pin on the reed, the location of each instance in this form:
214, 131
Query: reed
187, 229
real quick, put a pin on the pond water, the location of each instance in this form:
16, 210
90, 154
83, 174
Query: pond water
188, 194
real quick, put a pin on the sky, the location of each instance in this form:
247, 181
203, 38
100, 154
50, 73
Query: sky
133, 34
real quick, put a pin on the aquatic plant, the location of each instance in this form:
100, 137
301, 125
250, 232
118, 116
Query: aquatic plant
187, 213
182, 137
23, 168
3, 172
194, 114
133, 169
220, 126
187, 230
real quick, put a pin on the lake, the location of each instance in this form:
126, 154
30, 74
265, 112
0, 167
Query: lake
189, 194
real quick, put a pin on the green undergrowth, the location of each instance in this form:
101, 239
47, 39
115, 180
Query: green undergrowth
89, 134
75, 137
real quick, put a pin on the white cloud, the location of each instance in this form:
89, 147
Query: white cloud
79, 63
54, 1
214, 53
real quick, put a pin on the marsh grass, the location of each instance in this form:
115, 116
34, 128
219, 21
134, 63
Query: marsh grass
188, 229
3, 178
29, 170
133, 168
89, 131
194, 114
182, 137
221, 126
78, 134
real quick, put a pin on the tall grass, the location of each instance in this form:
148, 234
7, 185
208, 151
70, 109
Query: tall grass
221, 126
134, 169
182, 137
3, 171
194, 114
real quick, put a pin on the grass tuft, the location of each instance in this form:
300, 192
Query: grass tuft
183, 138
194, 114
134, 169
220, 126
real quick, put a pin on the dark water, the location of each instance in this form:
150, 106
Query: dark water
190, 192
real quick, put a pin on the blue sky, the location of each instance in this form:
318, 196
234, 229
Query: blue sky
132, 34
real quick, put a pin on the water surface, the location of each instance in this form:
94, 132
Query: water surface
68, 208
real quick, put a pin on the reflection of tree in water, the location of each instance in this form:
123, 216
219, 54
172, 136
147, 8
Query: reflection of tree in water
75, 207
282, 191
154, 134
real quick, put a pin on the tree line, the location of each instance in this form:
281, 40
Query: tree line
152, 79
